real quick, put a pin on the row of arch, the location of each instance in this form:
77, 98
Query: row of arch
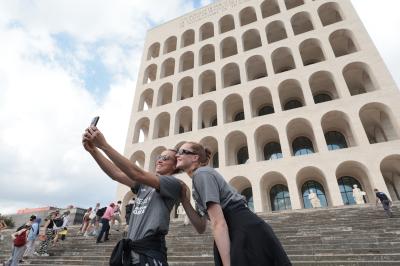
376, 118
323, 85
311, 51
329, 13
276, 194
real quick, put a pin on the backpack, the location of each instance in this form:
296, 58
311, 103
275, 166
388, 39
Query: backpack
58, 222
128, 209
20, 228
100, 212
20, 240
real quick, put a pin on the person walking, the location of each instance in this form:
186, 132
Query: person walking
385, 201
63, 229
240, 236
32, 236
19, 245
47, 235
117, 215
3, 226
94, 222
128, 210
105, 221
156, 194
86, 220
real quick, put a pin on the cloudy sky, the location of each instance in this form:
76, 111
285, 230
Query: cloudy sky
64, 61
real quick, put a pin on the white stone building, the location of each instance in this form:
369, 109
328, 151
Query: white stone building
290, 95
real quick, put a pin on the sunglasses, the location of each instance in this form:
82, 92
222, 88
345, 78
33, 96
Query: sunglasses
185, 152
163, 158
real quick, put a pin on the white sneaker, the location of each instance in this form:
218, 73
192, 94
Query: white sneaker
45, 255
36, 254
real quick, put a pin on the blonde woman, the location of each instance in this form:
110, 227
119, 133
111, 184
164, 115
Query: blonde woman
241, 237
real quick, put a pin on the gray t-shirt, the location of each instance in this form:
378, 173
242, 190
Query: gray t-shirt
152, 208
210, 186
151, 211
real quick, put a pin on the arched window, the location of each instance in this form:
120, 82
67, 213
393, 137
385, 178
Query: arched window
154, 51
280, 198
272, 151
226, 23
358, 78
335, 140
207, 55
248, 194
269, 8
266, 110
206, 31
323, 97
251, 39
228, 47
187, 61
292, 104
187, 38
170, 45
242, 155
275, 31
247, 16
342, 42
311, 52
282, 60
346, 189
230, 75
302, 146
317, 188
329, 13
301, 23
255, 68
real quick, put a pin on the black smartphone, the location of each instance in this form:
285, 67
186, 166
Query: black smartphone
94, 121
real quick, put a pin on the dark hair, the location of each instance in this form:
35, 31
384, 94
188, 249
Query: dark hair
203, 153
174, 150
119, 201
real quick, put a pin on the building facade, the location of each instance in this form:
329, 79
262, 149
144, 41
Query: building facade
291, 97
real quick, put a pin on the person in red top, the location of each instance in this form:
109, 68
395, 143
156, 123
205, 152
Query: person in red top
105, 221
20, 239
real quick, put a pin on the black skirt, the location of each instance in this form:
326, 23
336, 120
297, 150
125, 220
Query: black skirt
253, 242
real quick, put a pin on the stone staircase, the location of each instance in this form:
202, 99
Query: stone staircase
350, 235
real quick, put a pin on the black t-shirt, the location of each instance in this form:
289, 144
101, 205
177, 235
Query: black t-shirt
381, 196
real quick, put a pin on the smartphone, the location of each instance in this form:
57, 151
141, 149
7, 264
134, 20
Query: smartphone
94, 121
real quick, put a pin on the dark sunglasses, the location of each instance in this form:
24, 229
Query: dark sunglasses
185, 152
163, 158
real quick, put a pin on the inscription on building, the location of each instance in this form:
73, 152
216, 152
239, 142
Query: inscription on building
209, 11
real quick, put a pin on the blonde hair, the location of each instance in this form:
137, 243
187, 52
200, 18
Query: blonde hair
203, 153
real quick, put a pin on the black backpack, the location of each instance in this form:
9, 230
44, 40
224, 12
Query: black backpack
58, 222
128, 209
100, 212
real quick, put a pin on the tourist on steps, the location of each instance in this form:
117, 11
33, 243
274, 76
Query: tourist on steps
385, 201
156, 194
47, 235
105, 223
19, 245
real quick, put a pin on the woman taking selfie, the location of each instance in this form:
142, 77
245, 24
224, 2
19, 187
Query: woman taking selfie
241, 237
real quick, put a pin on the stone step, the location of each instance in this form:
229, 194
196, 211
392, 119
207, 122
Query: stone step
350, 235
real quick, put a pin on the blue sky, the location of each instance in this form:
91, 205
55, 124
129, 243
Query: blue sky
64, 61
